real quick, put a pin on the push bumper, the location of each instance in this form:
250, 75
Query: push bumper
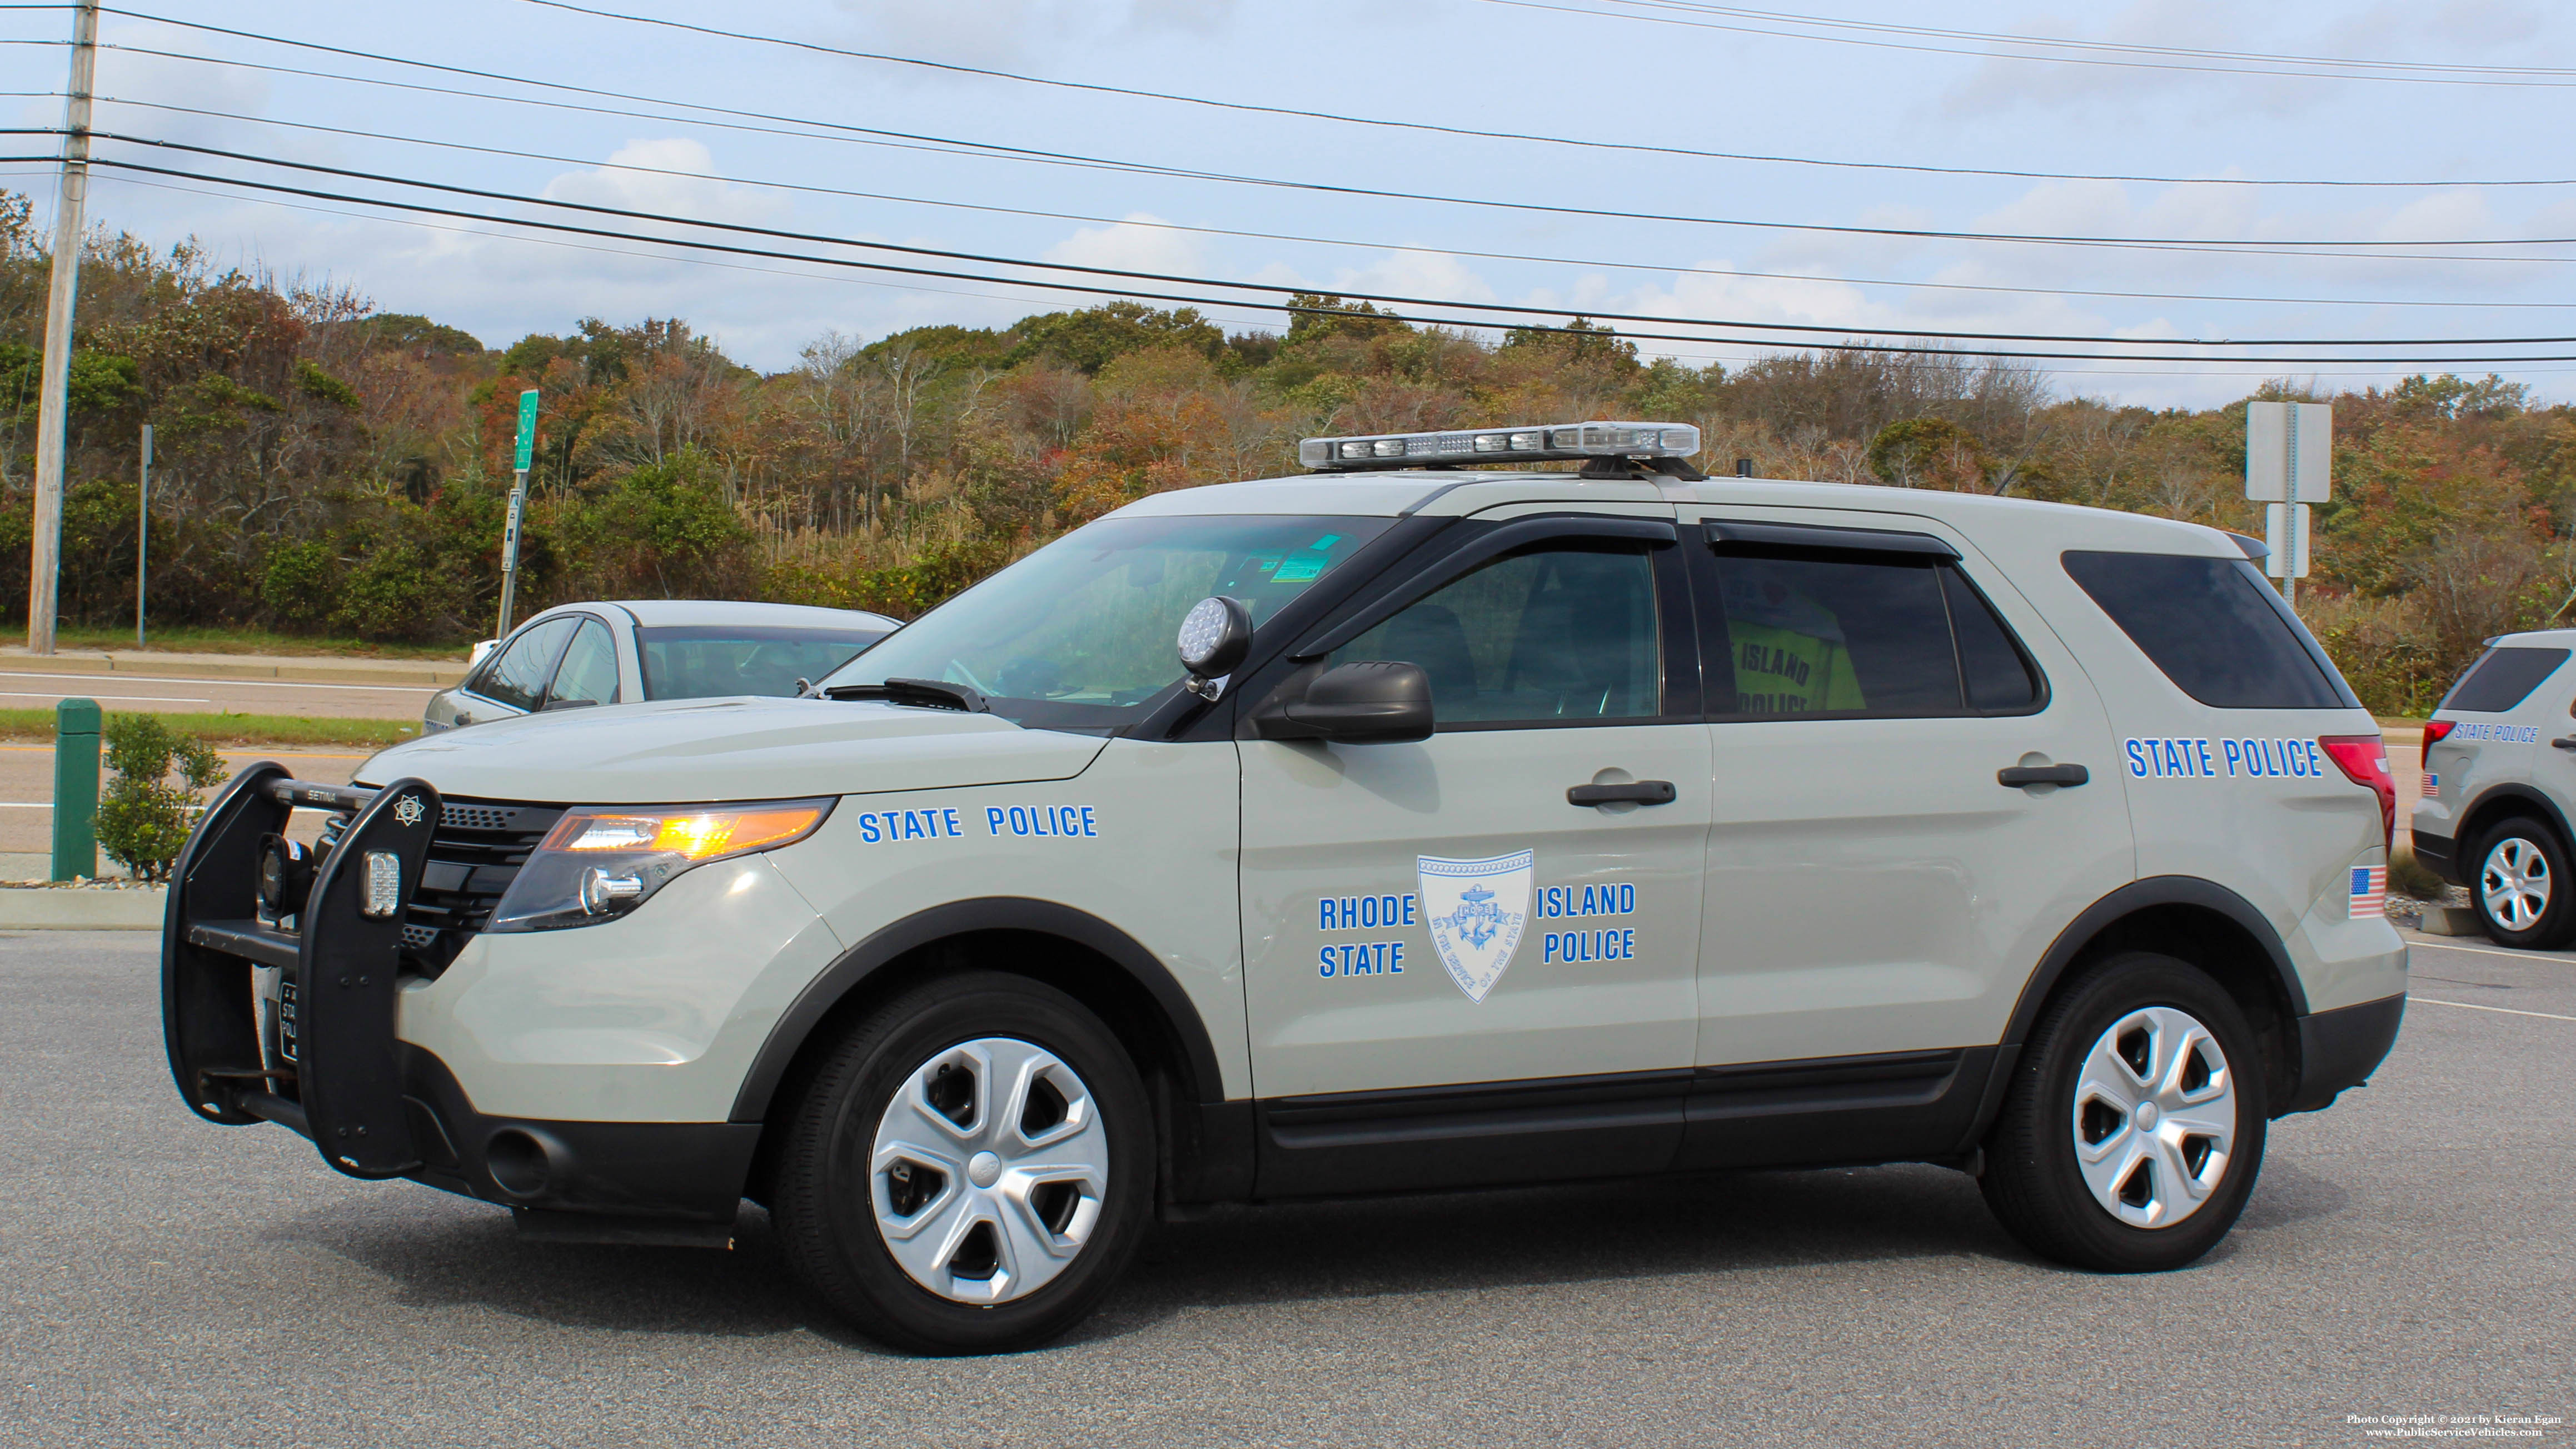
2339, 1049
297, 1027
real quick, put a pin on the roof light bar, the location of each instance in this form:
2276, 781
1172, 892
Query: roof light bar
1557, 442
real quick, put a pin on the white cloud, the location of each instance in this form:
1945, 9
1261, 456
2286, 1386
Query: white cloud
1140, 243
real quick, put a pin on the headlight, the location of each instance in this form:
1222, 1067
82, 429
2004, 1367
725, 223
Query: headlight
599, 862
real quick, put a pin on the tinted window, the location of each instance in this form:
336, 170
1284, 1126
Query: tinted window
709, 661
2213, 626
1843, 635
1999, 679
517, 675
1559, 634
2503, 679
589, 669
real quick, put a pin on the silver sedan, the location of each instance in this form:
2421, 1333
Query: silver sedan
575, 655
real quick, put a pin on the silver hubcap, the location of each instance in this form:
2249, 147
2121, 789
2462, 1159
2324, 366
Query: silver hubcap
2514, 884
989, 1170
2155, 1117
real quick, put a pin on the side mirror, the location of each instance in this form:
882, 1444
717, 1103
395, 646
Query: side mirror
1373, 702
1216, 634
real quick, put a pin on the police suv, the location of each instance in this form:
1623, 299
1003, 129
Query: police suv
1485, 827
2499, 782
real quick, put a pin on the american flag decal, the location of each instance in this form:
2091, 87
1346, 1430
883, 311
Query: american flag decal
2432, 785
2369, 891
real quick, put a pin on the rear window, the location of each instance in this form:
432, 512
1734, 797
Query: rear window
2214, 627
710, 661
2503, 679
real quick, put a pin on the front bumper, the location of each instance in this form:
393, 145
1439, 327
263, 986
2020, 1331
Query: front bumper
299, 1027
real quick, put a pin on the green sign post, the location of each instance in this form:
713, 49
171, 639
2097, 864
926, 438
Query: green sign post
76, 724
518, 506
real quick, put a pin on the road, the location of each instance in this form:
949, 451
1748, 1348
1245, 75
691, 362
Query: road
27, 792
169, 1282
174, 694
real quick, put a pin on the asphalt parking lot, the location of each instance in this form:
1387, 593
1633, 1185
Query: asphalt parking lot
2412, 1252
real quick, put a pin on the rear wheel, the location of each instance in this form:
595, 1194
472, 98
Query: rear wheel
2516, 890
968, 1169
2133, 1130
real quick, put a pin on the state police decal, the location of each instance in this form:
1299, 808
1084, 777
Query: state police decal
1475, 909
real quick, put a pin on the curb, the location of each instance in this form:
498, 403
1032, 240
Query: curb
81, 910
424, 674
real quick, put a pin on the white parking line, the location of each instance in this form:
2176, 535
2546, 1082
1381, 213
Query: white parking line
124, 698
2499, 1010
2554, 959
242, 683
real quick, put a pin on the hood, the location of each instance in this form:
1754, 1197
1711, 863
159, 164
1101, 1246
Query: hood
752, 748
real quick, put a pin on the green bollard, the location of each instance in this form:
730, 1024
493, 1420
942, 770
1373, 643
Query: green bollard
76, 789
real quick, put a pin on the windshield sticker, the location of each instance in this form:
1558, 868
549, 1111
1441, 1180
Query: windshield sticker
2509, 734
2196, 759
879, 826
1476, 910
1029, 821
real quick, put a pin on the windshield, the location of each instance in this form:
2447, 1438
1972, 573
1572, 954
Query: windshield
709, 661
1079, 635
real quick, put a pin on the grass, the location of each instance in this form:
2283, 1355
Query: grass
192, 639
241, 729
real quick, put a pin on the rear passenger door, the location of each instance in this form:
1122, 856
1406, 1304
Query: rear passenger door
1874, 883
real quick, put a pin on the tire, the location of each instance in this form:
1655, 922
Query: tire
2082, 1174
2514, 885
916, 1198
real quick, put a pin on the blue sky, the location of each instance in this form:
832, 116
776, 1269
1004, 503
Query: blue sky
1594, 69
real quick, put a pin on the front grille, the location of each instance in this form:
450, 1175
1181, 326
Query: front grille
474, 854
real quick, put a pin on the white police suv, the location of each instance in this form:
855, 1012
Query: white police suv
1489, 827
2499, 773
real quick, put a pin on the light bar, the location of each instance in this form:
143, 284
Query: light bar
1556, 442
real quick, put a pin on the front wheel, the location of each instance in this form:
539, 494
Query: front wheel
968, 1168
2516, 890
2133, 1129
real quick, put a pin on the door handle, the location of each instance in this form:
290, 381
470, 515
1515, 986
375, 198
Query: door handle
2018, 775
1643, 792
2565, 742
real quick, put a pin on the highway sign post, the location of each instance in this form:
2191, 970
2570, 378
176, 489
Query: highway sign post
2289, 464
518, 507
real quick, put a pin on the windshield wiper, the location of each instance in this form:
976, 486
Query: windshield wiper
925, 693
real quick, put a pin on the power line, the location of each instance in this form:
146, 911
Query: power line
1021, 153
1741, 351
2472, 72
1290, 307
1124, 274
811, 189
2496, 79
1340, 118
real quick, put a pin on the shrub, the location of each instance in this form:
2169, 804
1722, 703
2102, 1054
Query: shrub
143, 819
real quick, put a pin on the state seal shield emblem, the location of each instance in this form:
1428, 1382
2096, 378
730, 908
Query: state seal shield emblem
408, 810
1476, 910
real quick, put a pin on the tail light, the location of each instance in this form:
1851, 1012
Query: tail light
2364, 761
2436, 731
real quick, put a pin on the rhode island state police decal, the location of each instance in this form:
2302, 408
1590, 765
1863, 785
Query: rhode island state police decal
1476, 909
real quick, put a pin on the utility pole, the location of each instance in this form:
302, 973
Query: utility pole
44, 555
518, 507
142, 531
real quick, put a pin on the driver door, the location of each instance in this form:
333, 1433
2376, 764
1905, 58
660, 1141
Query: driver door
1454, 973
